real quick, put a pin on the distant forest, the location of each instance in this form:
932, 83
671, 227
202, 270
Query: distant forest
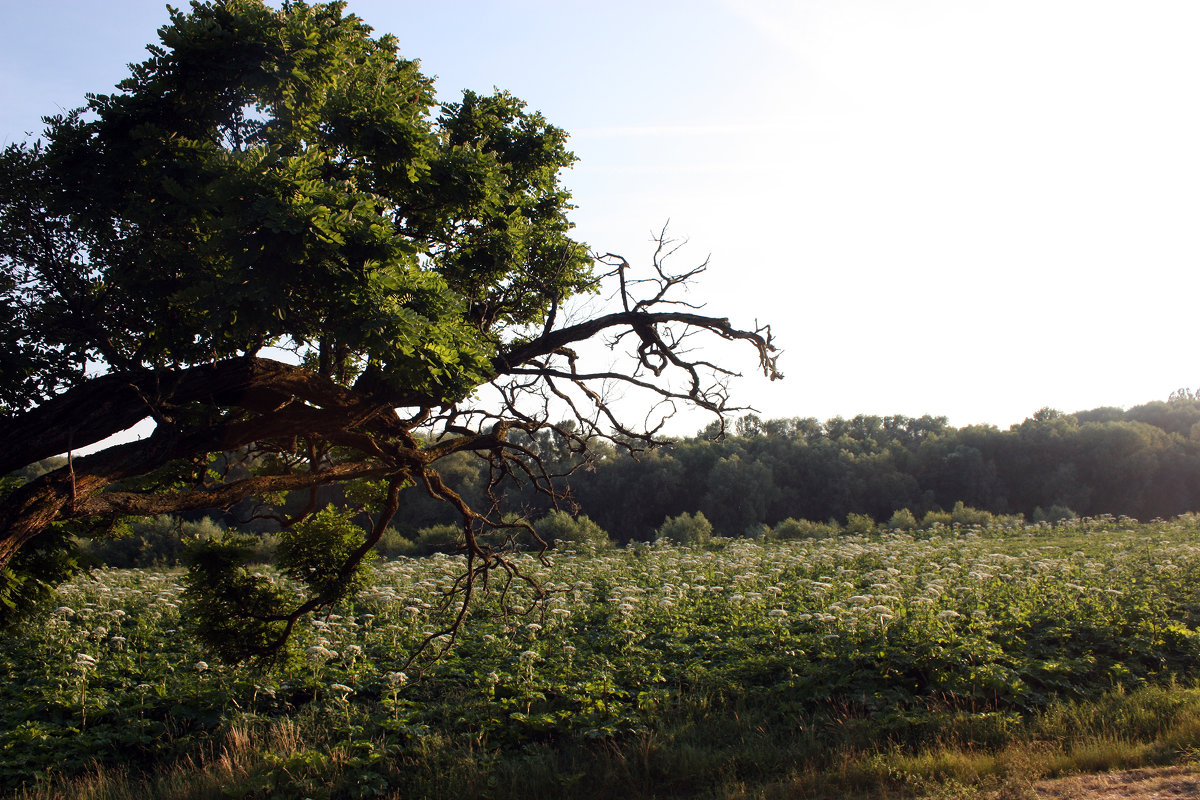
1143, 463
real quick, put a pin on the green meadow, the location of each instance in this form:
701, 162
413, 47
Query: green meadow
891, 664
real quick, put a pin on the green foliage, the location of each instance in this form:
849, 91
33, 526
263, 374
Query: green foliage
393, 544
936, 518
1142, 463
560, 527
967, 516
443, 538
219, 582
315, 552
687, 529
272, 176
29, 580
760, 658
1053, 515
297, 166
791, 528
901, 520
39, 468
859, 523
738, 494
149, 541
364, 494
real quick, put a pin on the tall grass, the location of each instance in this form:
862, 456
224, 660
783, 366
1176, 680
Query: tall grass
727, 754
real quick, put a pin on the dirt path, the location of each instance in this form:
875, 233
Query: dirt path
1169, 783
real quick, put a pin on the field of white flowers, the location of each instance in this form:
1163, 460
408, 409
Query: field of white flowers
897, 638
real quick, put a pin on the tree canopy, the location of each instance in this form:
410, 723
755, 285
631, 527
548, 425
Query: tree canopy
273, 242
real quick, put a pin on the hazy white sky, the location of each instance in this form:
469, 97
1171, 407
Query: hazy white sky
972, 208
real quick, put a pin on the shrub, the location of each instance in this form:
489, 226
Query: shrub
559, 526
149, 542
965, 515
1054, 515
859, 523
686, 529
760, 531
933, 518
902, 520
313, 551
263, 549
792, 528
217, 577
444, 538
393, 544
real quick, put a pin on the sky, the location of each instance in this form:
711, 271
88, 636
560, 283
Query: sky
965, 208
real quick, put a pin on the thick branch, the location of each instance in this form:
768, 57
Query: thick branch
69, 493
142, 504
103, 406
555, 340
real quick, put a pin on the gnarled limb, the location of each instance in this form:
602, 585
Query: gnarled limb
320, 431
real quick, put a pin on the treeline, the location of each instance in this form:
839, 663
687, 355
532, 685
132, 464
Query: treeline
763, 476
1142, 463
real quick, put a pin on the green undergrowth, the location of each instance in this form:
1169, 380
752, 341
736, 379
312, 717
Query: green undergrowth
736, 753
941, 664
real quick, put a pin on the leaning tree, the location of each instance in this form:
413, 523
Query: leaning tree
271, 241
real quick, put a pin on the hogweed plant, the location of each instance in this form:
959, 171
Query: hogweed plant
902, 636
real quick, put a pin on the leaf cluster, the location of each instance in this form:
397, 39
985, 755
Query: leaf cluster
280, 177
234, 611
315, 552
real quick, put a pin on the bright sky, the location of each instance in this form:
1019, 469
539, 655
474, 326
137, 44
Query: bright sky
971, 208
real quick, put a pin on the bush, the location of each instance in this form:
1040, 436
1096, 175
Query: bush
393, 544
859, 523
902, 520
933, 518
559, 526
965, 515
792, 528
149, 542
314, 550
686, 529
1054, 515
759, 531
444, 538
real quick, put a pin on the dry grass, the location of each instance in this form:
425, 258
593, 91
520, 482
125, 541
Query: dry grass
1134, 784
200, 778
1123, 745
